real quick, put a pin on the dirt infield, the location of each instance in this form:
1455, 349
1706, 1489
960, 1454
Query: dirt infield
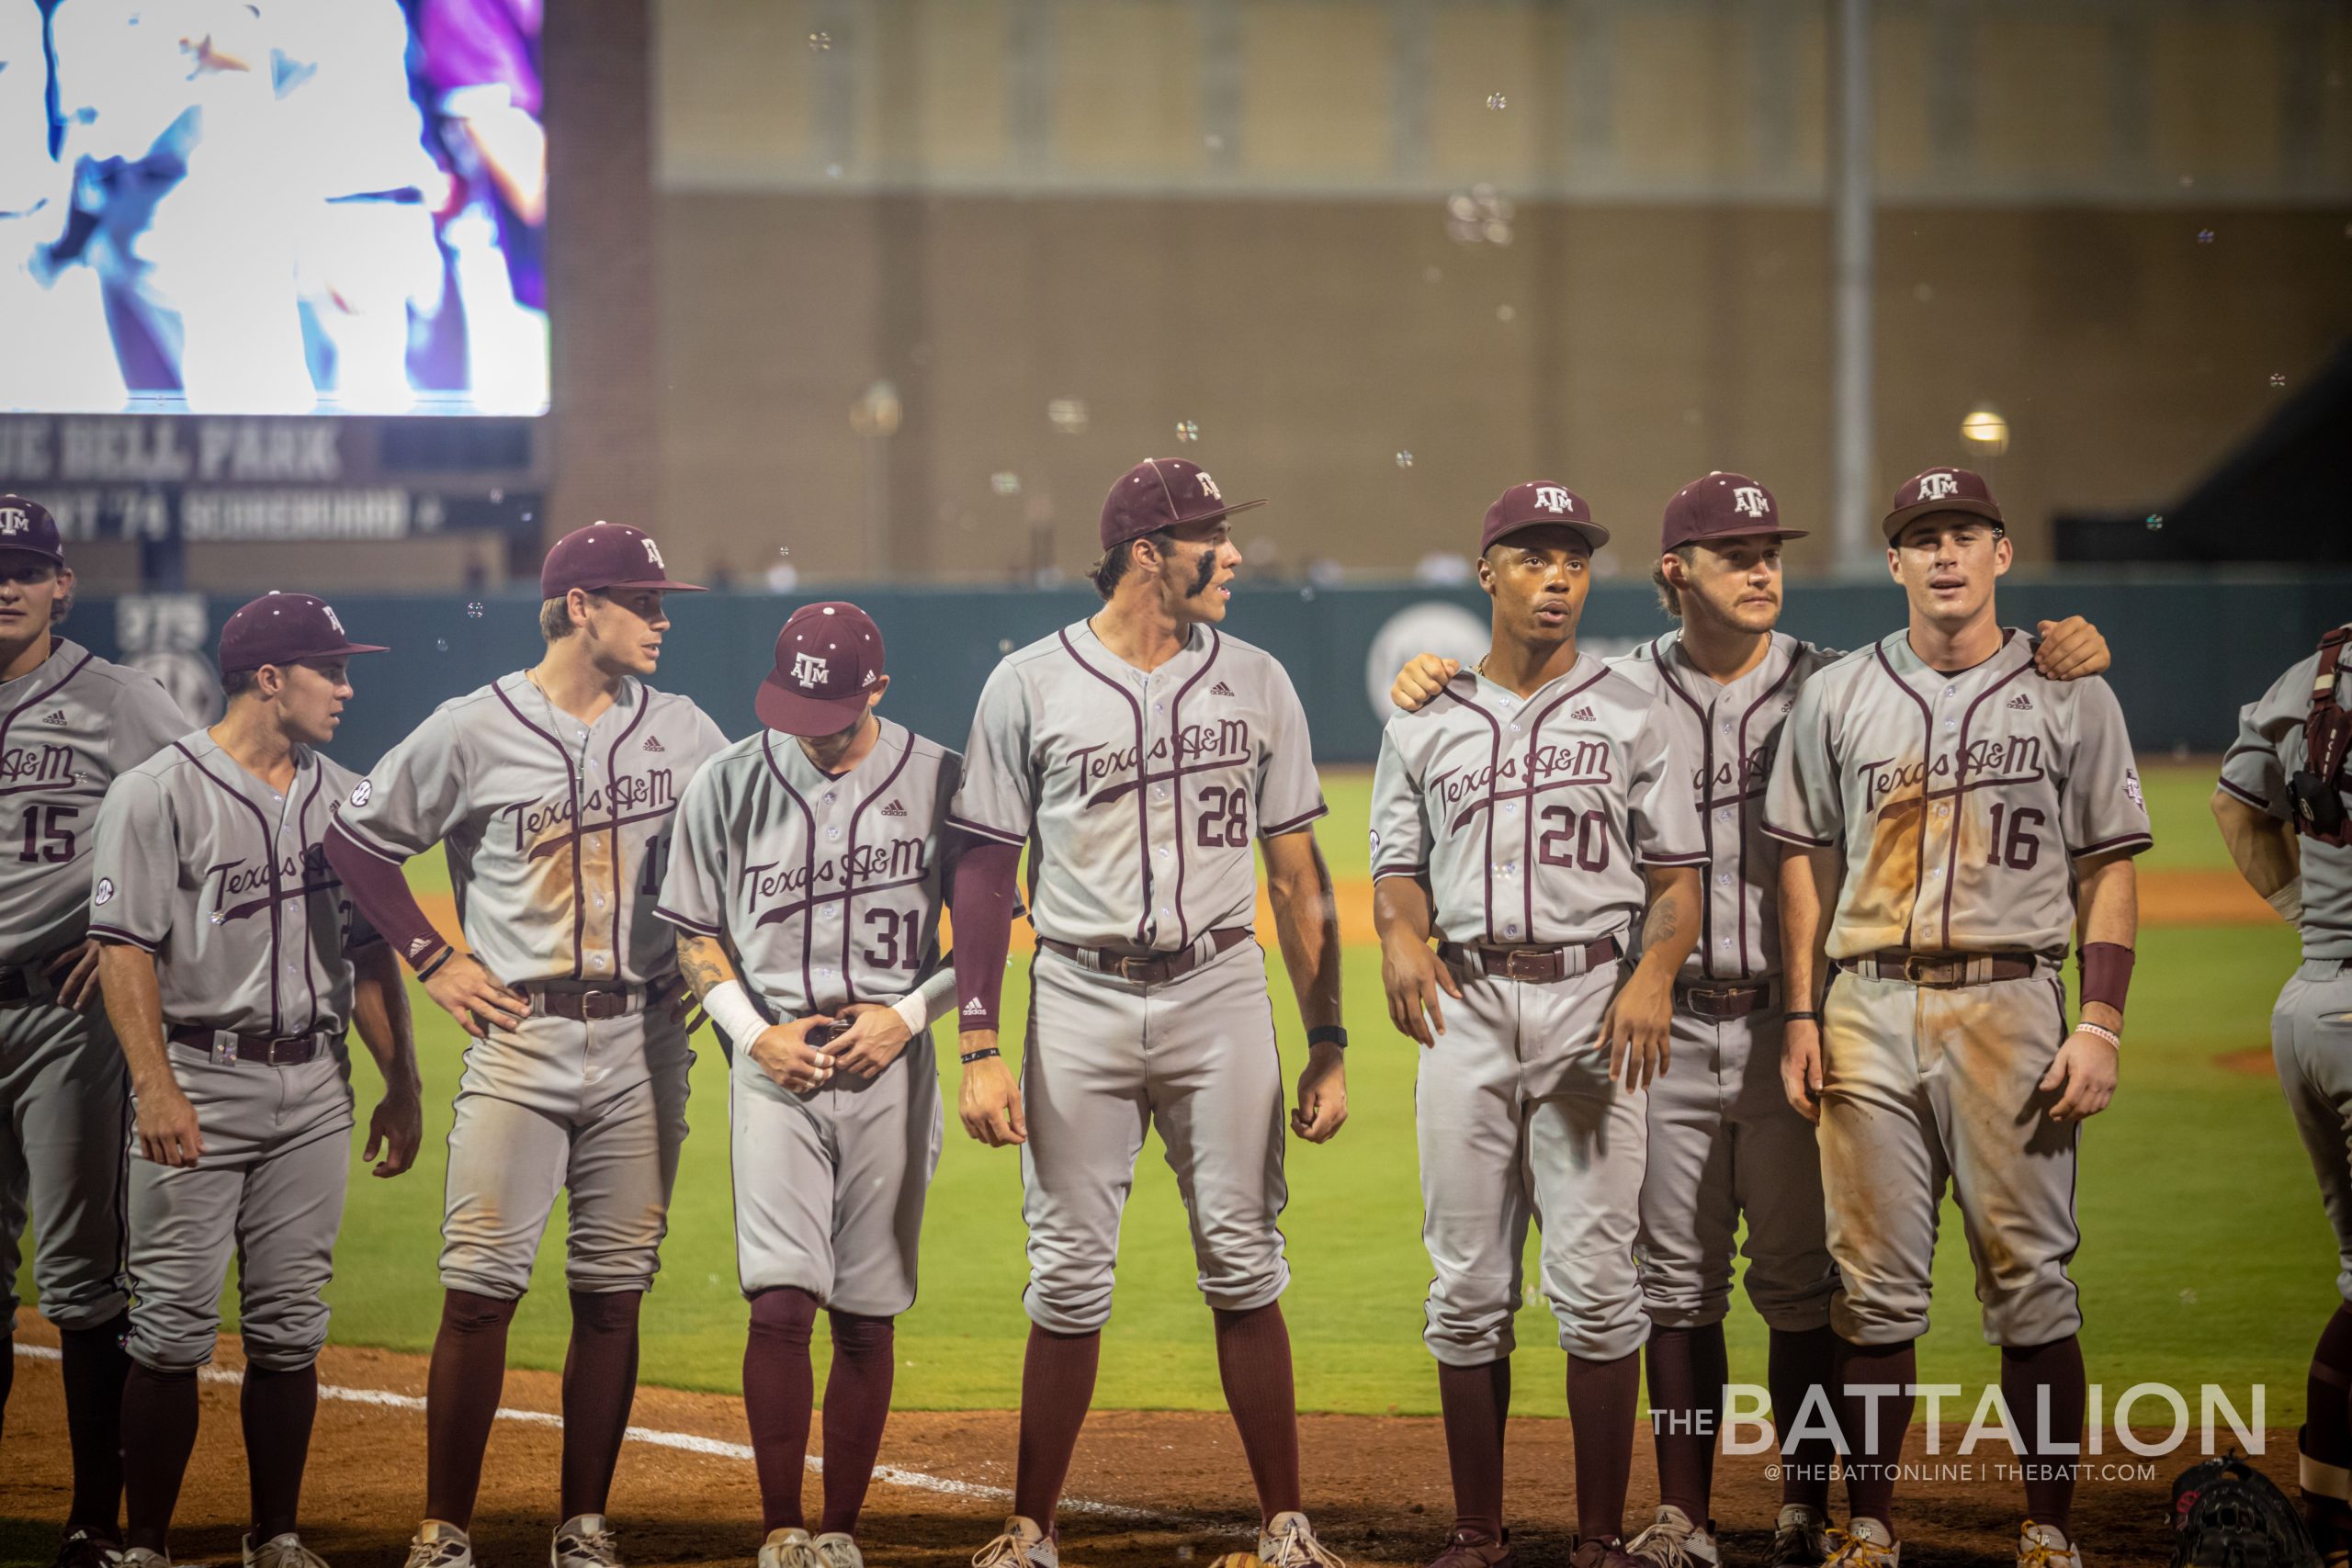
1174, 1484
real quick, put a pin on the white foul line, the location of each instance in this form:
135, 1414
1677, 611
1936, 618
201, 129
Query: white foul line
685, 1442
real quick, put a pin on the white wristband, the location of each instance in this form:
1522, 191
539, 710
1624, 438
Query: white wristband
730, 1008
2289, 902
913, 1011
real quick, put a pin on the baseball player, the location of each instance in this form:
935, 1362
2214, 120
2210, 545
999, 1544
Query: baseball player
1952, 816
70, 724
805, 883
553, 790
232, 966
2282, 804
1527, 820
1142, 752
1724, 1142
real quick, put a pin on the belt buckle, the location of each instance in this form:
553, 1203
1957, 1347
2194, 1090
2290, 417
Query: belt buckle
1921, 970
1513, 969
224, 1046
1130, 964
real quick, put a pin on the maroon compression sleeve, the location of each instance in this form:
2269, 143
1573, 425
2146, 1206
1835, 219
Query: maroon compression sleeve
986, 894
380, 892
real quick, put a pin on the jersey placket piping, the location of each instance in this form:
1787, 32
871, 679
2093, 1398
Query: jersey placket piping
613, 811
269, 854
571, 782
849, 858
1176, 782
1143, 804
1527, 817
1926, 767
1740, 886
302, 834
1494, 771
1706, 805
1960, 789
807, 870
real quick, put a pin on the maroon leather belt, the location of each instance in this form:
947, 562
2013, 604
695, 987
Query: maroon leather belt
1150, 968
1535, 965
593, 1005
1942, 971
1723, 1002
275, 1051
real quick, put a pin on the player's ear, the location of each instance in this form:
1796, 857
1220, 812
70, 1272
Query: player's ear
575, 604
874, 698
1894, 560
2004, 553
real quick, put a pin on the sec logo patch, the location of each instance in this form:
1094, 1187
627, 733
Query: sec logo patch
105, 890
361, 791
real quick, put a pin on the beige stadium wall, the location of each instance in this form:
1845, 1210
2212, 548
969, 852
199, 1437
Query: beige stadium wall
1231, 213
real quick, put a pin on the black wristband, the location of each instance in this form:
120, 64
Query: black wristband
432, 969
971, 1057
1328, 1034
1800, 1018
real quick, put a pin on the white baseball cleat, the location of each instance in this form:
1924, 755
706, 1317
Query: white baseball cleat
1020, 1544
284, 1551
1288, 1542
1863, 1543
787, 1549
140, 1557
835, 1550
1800, 1537
439, 1545
1675, 1543
582, 1541
2046, 1546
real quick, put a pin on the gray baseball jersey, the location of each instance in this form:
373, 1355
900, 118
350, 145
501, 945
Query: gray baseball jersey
1530, 820
2310, 1026
556, 831
1143, 789
829, 888
225, 880
1732, 732
1960, 801
2269, 749
67, 730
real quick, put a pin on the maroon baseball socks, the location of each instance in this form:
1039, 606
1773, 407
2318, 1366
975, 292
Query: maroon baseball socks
95, 1364
1057, 1388
1476, 1402
1869, 1483
2325, 1442
599, 1386
2036, 1379
858, 1403
1601, 1400
1797, 1362
467, 1373
159, 1416
779, 1387
1253, 1363
278, 1406
1687, 1368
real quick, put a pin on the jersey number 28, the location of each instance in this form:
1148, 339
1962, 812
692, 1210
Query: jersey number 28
1225, 817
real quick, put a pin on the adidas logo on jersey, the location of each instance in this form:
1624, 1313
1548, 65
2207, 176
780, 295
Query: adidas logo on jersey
653, 744
417, 944
973, 1009
892, 808
54, 716
2021, 703
1220, 690
1582, 716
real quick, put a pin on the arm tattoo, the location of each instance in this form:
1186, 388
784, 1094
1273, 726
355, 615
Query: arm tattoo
1664, 922
703, 962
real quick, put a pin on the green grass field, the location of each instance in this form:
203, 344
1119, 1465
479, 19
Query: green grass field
2205, 1256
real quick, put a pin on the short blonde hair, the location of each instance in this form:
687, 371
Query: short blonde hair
1669, 599
554, 615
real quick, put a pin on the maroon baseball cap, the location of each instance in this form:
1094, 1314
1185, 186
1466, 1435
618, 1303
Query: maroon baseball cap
1722, 506
284, 628
1164, 492
1942, 490
1535, 503
827, 658
27, 525
603, 556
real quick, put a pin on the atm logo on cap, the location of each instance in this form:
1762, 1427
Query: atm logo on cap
1551, 497
807, 669
653, 553
14, 520
1208, 487
1749, 502
332, 619
1936, 487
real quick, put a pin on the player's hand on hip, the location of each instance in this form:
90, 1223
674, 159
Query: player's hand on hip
990, 1101
166, 1127
1801, 1067
467, 993
1638, 1031
1322, 1095
2071, 649
397, 1129
2086, 1066
1414, 975
782, 1052
75, 975
873, 1041
1421, 679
